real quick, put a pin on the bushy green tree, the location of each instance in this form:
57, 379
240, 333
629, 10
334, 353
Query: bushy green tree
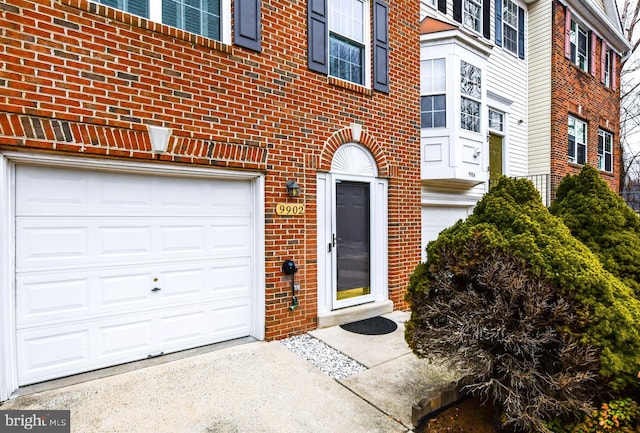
511, 218
602, 221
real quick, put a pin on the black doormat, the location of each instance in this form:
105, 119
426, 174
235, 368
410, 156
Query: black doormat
375, 326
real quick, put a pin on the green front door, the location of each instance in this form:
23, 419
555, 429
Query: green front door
495, 157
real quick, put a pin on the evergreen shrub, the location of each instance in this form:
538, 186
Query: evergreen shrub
512, 225
601, 219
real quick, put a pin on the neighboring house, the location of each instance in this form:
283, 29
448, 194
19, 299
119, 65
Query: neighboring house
631, 195
473, 90
516, 88
574, 98
145, 152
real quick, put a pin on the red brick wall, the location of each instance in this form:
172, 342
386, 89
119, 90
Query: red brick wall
576, 92
78, 80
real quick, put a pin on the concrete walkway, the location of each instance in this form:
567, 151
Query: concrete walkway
256, 387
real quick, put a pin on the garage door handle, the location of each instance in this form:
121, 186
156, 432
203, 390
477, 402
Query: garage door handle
156, 289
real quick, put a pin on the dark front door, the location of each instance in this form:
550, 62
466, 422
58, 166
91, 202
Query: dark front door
352, 239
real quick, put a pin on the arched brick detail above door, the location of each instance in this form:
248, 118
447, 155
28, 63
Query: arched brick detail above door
367, 140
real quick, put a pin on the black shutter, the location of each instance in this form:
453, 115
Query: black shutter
486, 19
520, 33
381, 46
457, 10
442, 6
318, 36
246, 26
499, 23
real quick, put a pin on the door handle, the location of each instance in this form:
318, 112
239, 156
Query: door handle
332, 244
156, 289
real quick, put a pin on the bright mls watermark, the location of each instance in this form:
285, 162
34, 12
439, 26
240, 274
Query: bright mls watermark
35, 421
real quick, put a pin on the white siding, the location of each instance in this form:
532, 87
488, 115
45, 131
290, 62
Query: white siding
540, 35
507, 78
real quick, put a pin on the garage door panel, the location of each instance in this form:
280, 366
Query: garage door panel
182, 283
50, 297
77, 242
41, 192
122, 339
123, 291
231, 279
54, 191
231, 320
183, 328
229, 198
40, 244
182, 238
124, 242
231, 238
40, 354
41, 300
90, 248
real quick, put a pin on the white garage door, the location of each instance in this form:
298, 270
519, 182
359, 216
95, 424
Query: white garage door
437, 218
115, 267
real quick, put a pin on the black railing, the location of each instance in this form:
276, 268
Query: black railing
632, 198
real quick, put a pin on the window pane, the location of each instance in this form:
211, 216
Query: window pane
201, 17
600, 142
470, 81
135, 7
496, 120
345, 59
138, 7
426, 103
426, 120
470, 115
433, 111
170, 13
192, 20
439, 67
432, 76
572, 149
472, 12
582, 153
346, 18
510, 39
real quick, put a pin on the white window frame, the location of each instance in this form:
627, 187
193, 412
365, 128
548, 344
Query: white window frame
502, 116
578, 30
433, 85
607, 67
507, 6
155, 15
473, 22
578, 142
474, 99
365, 42
603, 153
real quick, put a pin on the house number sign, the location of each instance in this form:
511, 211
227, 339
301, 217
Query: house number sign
289, 209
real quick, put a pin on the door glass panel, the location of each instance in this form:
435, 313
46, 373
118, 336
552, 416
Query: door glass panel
352, 239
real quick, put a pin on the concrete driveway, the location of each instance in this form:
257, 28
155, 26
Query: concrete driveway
256, 387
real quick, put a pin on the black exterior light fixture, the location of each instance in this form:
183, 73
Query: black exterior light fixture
293, 189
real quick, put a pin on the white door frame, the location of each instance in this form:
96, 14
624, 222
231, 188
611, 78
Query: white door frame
350, 168
8, 161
